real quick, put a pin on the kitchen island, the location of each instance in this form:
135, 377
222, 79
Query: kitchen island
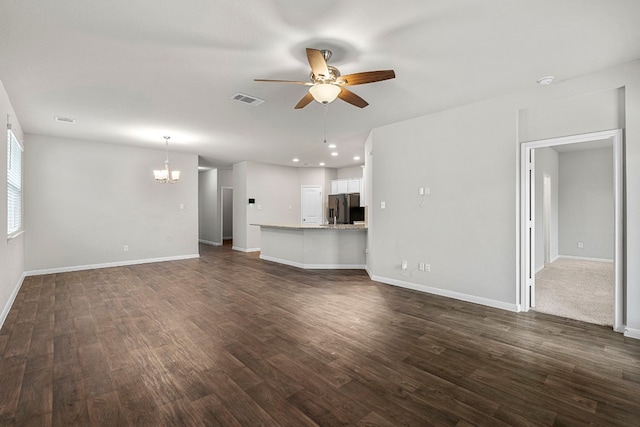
340, 246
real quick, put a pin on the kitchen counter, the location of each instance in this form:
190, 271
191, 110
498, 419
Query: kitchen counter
339, 246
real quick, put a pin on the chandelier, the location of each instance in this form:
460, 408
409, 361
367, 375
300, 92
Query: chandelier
165, 175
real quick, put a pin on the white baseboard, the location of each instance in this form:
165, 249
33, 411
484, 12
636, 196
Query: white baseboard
227, 238
314, 266
238, 248
208, 242
446, 293
581, 258
12, 298
107, 265
632, 333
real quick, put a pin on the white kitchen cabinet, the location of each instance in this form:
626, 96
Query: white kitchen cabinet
339, 186
343, 186
334, 186
348, 185
353, 185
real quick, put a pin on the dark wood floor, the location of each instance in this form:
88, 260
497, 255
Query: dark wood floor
229, 339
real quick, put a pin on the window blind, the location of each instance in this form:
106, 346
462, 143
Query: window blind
14, 184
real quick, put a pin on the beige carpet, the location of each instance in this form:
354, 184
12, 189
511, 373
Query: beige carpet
576, 289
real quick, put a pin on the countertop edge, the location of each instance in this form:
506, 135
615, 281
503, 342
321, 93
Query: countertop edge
314, 227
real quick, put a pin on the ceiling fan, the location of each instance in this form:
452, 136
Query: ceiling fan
327, 83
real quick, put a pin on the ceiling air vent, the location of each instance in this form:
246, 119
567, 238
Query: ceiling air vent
247, 99
62, 119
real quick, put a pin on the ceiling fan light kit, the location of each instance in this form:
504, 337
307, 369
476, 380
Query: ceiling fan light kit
327, 83
325, 93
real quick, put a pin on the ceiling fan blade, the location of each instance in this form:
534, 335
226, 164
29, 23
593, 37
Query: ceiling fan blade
366, 77
284, 81
353, 99
317, 62
304, 101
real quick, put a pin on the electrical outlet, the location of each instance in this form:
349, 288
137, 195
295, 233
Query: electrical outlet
421, 266
580, 245
427, 267
383, 205
404, 264
126, 248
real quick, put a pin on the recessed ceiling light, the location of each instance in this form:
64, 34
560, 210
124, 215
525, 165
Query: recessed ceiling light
335, 153
332, 145
321, 163
296, 159
356, 158
547, 80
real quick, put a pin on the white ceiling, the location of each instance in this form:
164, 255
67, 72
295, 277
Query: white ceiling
131, 71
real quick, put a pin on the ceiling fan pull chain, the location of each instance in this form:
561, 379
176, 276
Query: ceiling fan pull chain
326, 112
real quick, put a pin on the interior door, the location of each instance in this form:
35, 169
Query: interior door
311, 197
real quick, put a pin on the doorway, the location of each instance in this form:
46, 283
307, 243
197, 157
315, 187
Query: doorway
226, 215
546, 216
311, 201
526, 288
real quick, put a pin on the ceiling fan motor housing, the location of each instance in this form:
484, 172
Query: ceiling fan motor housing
334, 73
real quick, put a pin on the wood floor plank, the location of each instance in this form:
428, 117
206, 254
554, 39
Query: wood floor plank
36, 397
228, 339
106, 410
281, 410
12, 370
69, 405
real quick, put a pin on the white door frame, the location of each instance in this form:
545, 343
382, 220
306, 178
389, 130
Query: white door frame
526, 287
222, 212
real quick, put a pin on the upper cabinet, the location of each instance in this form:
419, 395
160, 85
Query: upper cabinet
353, 185
348, 185
339, 186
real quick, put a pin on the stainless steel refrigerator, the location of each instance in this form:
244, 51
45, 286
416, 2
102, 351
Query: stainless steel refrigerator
345, 208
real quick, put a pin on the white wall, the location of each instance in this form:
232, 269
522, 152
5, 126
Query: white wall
276, 191
84, 201
466, 228
469, 157
240, 206
352, 172
586, 203
11, 251
208, 219
546, 160
368, 188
